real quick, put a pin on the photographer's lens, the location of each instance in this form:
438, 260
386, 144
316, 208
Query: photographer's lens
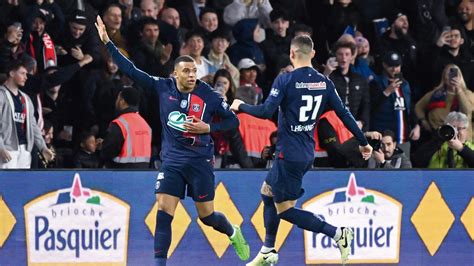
446, 132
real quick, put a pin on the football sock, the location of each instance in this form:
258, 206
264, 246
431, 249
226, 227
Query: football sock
270, 220
219, 222
162, 236
306, 220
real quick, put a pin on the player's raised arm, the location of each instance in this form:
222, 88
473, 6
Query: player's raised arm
125, 65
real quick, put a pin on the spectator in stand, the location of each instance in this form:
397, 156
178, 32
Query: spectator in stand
339, 16
450, 95
457, 152
351, 87
79, 41
248, 35
398, 39
364, 61
248, 77
19, 131
389, 156
220, 40
277, 41
113, 21
128, 142
228, 145
255, 131
39, 44
465, 15
150, 54
48, 135
248, 9
11, 47
391, 104
12, 11
209, 20
170, 16
86, 156
189, 11
151, 8
194, 48
169, 34
448, 51
223, 84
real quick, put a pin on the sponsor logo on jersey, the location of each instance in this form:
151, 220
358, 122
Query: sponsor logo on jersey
176, 120
374, 217
183, 104
77, 225
311, 85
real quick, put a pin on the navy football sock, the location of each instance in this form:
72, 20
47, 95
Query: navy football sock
306, 220
271, 221
219, 222
162, 236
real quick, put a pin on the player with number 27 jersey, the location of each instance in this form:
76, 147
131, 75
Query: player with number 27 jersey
302, 96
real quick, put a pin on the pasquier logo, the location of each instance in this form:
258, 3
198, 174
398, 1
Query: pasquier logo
374, 217
77, 225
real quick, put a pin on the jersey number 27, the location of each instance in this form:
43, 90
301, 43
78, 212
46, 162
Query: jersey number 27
311, 107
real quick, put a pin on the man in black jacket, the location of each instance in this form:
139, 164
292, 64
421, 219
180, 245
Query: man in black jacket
351, 87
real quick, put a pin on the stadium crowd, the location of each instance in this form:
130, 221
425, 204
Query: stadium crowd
405, 70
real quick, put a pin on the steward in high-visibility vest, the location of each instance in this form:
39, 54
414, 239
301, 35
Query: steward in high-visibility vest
128, 143
255, 133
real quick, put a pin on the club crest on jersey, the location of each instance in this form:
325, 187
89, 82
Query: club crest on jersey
183, 104
311, 85
176, 120
196, 107
274, 92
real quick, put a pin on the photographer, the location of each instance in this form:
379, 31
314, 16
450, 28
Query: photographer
451, 149
388, 155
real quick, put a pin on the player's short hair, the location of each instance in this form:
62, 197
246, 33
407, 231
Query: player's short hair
183, 58
302, 44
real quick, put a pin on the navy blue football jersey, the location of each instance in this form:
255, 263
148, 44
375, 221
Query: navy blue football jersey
177, 107
302, 96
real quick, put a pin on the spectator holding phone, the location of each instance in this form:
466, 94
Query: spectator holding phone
448, 51
391, 106
450, 95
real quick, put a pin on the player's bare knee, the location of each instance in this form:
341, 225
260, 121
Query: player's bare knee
204, 209
285, 205
266, 190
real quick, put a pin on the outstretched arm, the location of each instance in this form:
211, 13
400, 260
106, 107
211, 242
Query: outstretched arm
267, 109
125, 65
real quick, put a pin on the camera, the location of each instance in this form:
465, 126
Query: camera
447, 132
375, 143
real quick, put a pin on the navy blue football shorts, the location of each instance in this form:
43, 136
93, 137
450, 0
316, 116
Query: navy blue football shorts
196, 177
285, 178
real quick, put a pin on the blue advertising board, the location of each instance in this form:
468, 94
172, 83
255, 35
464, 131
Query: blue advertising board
107, 218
